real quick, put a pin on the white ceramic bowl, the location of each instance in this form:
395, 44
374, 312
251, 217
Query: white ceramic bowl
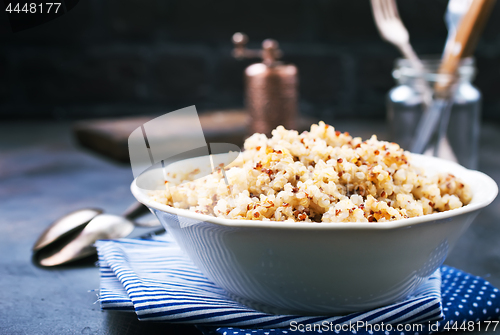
321, 268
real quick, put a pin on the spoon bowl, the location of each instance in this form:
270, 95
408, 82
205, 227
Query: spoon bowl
72, 237
103, 226
65, 226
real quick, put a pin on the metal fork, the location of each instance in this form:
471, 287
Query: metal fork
391, 29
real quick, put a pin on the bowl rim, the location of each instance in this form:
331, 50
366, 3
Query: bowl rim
489, 194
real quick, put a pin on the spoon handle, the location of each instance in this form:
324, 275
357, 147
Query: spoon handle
135, 210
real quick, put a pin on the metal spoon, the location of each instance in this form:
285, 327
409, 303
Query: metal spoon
65, 226
103, 226
69, 247
72, 222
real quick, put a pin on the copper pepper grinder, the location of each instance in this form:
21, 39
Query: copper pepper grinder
271, 92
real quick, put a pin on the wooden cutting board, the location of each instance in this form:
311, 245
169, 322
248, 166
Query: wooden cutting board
109, 137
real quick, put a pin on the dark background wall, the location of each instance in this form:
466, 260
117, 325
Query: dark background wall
124, 57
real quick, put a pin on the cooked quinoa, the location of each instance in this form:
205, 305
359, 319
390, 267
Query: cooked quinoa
318, 176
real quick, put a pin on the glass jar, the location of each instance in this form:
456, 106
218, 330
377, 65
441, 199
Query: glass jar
405, 105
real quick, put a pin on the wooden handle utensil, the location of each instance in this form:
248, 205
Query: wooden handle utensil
465, 42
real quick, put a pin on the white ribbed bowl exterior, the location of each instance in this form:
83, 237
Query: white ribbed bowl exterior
322, 268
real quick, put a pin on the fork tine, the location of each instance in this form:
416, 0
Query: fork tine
393, 7
374, 4
383, 18
386, 9
377, 14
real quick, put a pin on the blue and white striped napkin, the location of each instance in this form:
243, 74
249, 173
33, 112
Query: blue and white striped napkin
155, 279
